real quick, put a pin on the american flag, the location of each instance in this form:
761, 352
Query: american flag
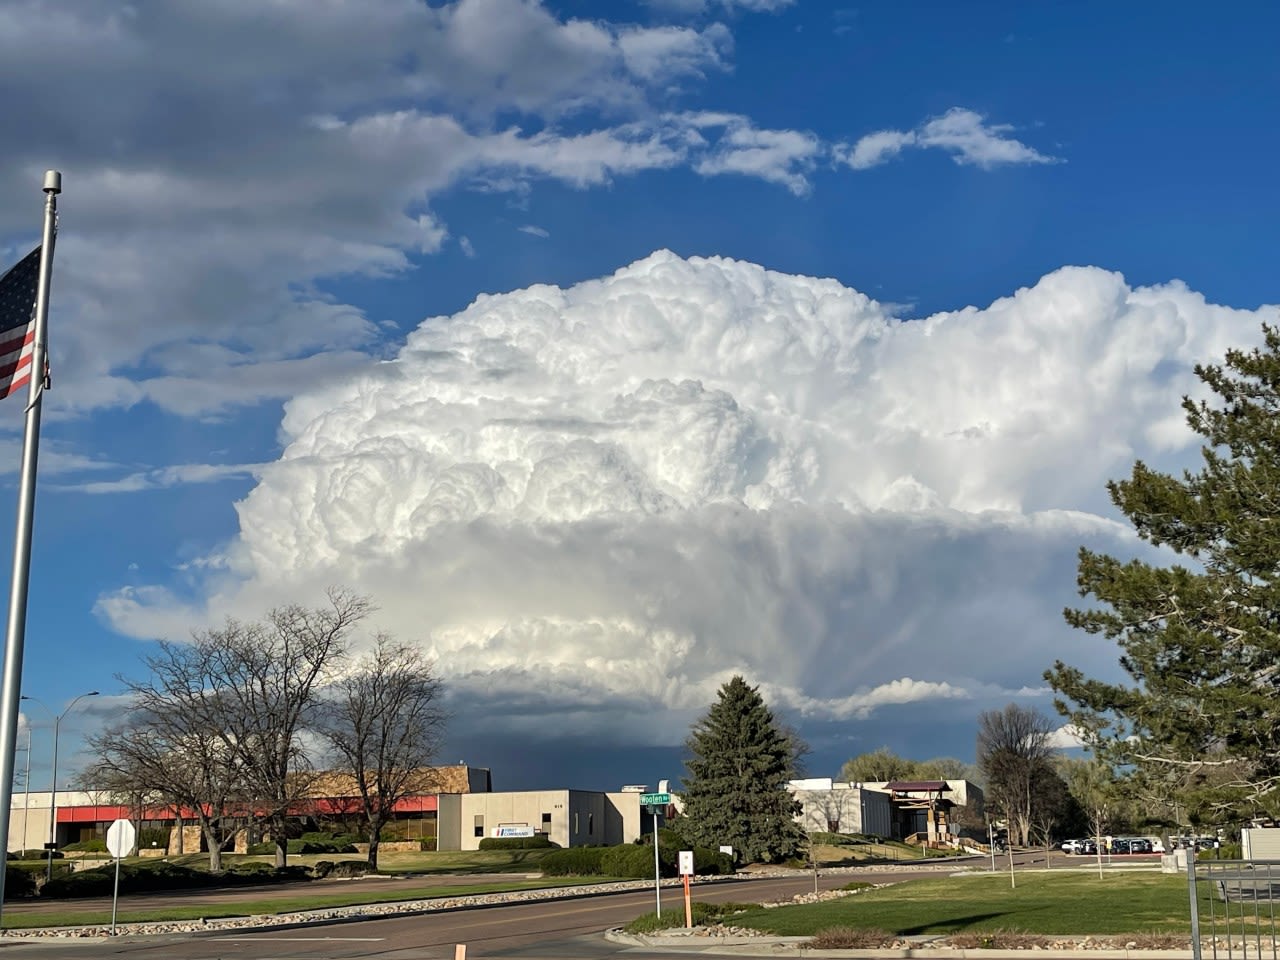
17, 322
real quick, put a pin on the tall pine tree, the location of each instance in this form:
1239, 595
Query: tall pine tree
736, 789
1199, 717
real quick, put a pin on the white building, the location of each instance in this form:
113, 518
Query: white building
835, 807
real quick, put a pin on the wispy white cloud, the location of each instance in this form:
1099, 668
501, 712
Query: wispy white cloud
408, 109
964, 134
163, 477
689, 7
780, 156
534, 231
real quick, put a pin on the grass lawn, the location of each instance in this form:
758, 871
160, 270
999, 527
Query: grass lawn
891, 851
307, 897
1045, 903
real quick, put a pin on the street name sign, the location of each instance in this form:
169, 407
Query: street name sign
654, 799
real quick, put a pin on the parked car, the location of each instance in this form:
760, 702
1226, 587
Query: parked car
1073, 846
1140, 845
1120, 845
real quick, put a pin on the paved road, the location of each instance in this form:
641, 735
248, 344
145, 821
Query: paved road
566, 928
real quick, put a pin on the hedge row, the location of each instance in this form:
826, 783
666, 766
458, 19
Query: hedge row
302, 846
539, 841
162, 875
629, 860
87, 846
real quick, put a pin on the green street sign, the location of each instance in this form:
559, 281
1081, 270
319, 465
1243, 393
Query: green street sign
654, 799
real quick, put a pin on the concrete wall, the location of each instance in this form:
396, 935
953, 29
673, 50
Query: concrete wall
627, 815
1260, 843
546, 811
449, 821
845, 806
29, 817
569, 818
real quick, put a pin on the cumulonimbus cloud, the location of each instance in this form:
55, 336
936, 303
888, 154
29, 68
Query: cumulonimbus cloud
607, 499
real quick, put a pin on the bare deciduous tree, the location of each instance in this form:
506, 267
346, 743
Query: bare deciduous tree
163, 751
1013, 749
383, 723
263, 679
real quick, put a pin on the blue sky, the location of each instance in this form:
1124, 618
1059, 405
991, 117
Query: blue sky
260, 208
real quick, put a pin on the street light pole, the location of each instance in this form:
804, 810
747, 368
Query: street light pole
53, 786
26, 790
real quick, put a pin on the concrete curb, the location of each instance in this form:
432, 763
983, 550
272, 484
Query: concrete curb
795, 947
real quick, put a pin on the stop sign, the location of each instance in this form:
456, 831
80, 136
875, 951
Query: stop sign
120, 838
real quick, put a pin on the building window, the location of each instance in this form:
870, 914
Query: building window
575, 821
546, 822
479, 825
591, 824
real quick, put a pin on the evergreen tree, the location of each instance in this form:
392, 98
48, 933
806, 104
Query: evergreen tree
736, 789
1199, 637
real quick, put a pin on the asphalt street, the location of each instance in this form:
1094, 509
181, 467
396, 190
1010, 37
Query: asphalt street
565, 928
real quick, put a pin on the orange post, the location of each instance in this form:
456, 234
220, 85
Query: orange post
688, 907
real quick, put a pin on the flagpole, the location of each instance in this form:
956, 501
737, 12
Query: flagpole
11, 681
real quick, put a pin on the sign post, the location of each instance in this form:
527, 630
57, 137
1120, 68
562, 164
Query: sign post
120, 839
686, 871
655, 803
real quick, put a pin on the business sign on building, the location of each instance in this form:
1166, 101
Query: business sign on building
513, 830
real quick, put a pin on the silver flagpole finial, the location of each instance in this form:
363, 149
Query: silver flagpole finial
52, 181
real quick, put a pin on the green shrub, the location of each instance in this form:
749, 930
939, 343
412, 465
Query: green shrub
251, 868
573, 862
134, 878
349, 868
708, 862
636, 862
427, 845
87, 846
857, 885
628, 860
38, 868
34, 855
19, 883
300, 846
539, 841
257, 873
333, 838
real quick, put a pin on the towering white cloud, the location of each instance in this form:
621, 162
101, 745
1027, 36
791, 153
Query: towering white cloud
600, 500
